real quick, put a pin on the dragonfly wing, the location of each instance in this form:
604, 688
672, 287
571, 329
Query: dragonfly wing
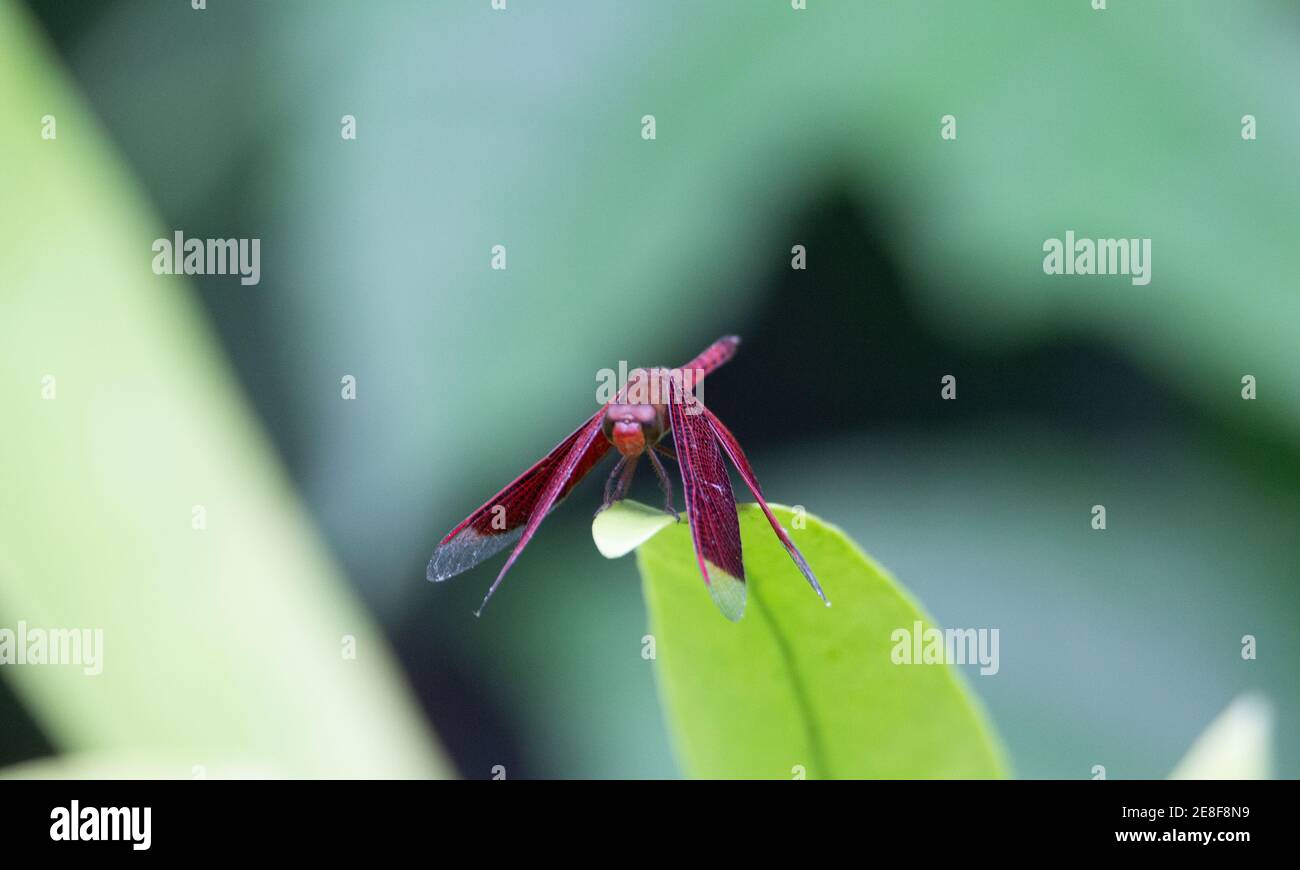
732, 448
469, 547
588, 441
500, 522
710, 506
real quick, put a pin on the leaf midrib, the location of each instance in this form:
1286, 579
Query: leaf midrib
803, 702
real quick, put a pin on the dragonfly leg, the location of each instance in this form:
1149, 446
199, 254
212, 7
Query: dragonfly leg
666, 451
665, 484
609, 484
625, 479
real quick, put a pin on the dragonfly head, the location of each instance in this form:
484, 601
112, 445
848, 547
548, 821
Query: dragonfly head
633, 428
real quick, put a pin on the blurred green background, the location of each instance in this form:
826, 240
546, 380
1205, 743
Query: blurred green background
775, 127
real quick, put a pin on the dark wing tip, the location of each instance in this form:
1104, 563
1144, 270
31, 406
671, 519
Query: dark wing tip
800, 562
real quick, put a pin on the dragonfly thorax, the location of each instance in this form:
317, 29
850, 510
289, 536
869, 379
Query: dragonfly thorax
634, 428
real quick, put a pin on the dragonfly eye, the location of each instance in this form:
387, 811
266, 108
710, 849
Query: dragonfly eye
633, 428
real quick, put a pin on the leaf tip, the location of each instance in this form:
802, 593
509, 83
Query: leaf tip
625, 525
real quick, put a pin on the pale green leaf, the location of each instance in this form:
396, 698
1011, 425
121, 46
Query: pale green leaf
1236, 745
141, 500
130, 764
625, 525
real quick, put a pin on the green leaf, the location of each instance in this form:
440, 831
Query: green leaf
797, 688
1236, 745
230, 644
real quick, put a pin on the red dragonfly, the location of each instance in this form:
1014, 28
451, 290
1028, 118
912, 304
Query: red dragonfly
653, 403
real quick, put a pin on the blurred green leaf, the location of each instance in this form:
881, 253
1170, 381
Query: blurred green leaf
131, 764
796, 686
226, 642
1237, 745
